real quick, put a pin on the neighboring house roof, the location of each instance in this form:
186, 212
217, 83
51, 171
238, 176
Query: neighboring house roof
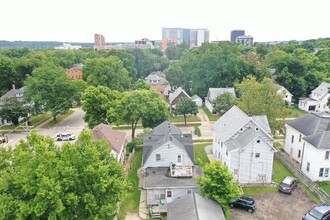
234, 119
242, 140
115, 138
13, 93
164, 128
194, 207
196, 98
322, 89
176, 93
280, 88
215, 92
319, 140
77, 66
157, 177
312, 123
156, 78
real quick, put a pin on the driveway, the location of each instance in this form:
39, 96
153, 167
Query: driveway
278, 206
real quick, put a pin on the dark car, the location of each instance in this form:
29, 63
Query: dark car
288, 184
319, 212
244, 203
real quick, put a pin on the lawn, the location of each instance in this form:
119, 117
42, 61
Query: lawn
132, 200
200, 154
211, 117
38, 119
58, 119
180, 119
293, 112
325, 186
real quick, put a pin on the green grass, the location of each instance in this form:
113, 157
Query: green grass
200, 154
255, 190
325, 186
204, 140
132, 200
58, 119
38, 119
211, 117
7, 127
293, 112
180, 119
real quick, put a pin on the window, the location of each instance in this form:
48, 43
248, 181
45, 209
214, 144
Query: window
299, 137
227, 152
257, 155
236, 171
169, 194
257, 129
308, 166
219, 155
162, 196
258, 141
221, 144
189, 191
157, 157
326, 172
321, 172
327, 154
157, 197
299, 153
292, 139
179, 160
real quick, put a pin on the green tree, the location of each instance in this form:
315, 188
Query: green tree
145, 106
141, 84
219, 184
50, 90
261, 99
7, 74
39, 180
224, 102
185, 107
13, 109
175, 52
108, 72
97, 101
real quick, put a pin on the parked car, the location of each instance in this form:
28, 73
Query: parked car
321, 211
63, 136
246, 203
288, 184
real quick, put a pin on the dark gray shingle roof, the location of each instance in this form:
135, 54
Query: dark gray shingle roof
166, 127
319, 140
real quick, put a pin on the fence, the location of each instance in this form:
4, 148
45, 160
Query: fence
286, 160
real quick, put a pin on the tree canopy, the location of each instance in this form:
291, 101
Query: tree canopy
13, 109
39, 180
219, 184
185, 107
224, 102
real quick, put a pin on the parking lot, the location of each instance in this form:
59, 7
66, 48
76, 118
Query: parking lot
277, 205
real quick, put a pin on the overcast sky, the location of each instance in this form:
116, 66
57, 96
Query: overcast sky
129, 20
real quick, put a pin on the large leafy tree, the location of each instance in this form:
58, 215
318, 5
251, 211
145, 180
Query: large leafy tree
108, 72
185, 107
97, 101
7, 74
39, 180
224, 102
219, 184
260, 98
145, 106
50, 90
13, 109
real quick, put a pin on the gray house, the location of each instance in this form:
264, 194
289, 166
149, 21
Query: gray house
168, 165
194, 207
213, 93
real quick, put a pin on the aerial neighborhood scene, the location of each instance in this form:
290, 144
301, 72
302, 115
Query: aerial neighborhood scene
187, 124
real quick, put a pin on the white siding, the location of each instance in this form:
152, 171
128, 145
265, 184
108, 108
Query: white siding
209, 105
293, 147
316, 158
168, 154
154, 195
254, 169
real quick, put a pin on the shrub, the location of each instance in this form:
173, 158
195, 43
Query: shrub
197, 131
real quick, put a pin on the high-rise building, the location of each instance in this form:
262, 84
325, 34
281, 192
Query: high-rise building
99, 41
236, 33
245, 39
192, 37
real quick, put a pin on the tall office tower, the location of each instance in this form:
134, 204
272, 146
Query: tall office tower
192, 37
99, 41
236, 33
173, 33
198, 36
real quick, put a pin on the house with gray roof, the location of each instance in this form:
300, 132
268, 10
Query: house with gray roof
213, 93
307, 141
168, 165
198, 100
286, 95
13, 93
194, 207
157, 81
175, 97
317, 100
244, 144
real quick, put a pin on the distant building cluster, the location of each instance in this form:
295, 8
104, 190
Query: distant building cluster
66, 46
238, 36
192, 37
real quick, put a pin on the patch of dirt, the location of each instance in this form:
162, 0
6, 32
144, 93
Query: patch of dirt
277, 205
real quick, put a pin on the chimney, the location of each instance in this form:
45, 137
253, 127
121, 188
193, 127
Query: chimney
14, 86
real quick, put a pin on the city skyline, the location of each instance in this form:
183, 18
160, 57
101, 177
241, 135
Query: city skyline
129, 20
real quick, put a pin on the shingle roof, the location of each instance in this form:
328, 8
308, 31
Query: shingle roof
177, 92
194, 207
115, 138
157, 177
242, 140
319, 140
196, 98
322, 88
262, 121
215, 92
166, 127
12, 94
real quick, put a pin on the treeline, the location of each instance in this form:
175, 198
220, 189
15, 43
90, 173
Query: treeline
39, 44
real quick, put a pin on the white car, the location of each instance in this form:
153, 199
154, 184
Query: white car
65, 136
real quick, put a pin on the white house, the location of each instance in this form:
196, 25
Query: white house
198, 100
168, 165
175, 97
307, 141
213, 93
244, 144
287, 96
317, 100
